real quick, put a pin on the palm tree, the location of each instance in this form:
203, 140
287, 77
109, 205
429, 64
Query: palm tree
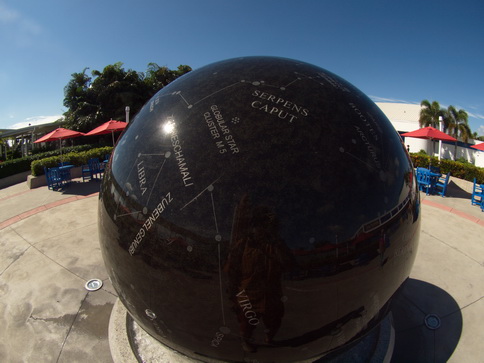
430, 113
458, 126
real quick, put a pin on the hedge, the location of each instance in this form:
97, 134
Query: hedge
457, 169
75, 158
15, 166
36, 163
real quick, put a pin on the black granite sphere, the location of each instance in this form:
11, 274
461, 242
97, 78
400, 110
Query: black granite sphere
258, 209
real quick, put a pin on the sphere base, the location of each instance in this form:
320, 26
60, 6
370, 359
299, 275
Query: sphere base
129, 343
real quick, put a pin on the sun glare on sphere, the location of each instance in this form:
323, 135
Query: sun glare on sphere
168, 127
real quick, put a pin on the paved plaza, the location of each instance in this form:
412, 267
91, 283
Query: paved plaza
49, 249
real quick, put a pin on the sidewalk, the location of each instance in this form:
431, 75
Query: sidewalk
49, 249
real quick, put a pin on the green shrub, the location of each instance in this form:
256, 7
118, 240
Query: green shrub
14, 166
19, 165
75, 158
466, 171
463, 160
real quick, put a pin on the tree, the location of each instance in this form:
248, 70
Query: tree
76, 91
114, 89
158, 77
457, 122
93, 101
430, 113
457, 125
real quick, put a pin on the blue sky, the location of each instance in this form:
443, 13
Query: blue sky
391, 50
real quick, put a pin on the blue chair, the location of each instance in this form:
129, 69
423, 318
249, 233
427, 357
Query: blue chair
96, 167
441, 185
424, 180
85, 173
65, 172
53, 177
92, 170
419, 174
477, 194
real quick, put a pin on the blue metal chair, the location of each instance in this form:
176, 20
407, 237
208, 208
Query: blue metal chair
53, 177
85, 173
92, 170
477, 194
423, 180
48, 178
96, 167
65, 172
441, 185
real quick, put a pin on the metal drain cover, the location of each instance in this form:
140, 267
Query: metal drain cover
432, 321
93, 284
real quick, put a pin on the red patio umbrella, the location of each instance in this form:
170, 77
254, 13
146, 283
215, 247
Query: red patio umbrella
108, 127
478, 146
430, 133
59, 134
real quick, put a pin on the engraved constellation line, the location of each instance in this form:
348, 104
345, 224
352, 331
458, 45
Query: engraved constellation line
218, 238
154, 183
133, 167
199, 194
254, 83
357, 158
190, 105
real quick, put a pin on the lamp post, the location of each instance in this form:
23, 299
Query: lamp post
440, 129
127, 114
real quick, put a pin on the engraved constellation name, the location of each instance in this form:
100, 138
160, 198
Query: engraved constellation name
182, 165
142, 177
220, 132
365, 121
278, 106
167, 199
246, 306
369, 146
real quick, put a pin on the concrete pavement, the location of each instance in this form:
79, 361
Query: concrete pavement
49, 249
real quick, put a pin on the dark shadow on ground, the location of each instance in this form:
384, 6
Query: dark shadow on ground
454, 191
418, 336
82, 188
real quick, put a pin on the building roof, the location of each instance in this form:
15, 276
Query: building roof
403, 116
29, 130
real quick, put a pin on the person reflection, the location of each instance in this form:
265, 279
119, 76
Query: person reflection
383, 243
255, 266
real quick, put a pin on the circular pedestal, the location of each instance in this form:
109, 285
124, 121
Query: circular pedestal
129, 343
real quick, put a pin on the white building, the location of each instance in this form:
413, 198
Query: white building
404, 117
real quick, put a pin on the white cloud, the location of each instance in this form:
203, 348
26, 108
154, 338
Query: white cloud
7, 15
480, 131
475, 115
16, 27
36, 120
383, 99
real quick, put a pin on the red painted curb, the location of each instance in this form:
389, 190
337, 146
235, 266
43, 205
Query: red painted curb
454, 211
